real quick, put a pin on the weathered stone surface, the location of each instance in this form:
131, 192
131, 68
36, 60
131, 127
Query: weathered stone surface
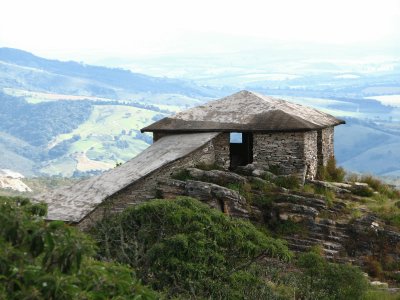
297, 208
290, 152
295, 212
341, 185
224, 199
73, 203
250, 168
369, 236
316, 203
221, 150
334, 187
243, 111
325, 145
216, 176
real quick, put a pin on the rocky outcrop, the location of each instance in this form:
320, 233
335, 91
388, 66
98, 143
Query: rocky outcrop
316, 220
216, 176
219, 197
257, 170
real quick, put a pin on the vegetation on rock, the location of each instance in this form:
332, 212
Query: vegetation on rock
184, 247
331, 172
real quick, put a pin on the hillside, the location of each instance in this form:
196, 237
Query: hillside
67, 118
72, 119
23, 70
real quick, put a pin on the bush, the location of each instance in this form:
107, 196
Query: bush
40, 260
182, 175
288, 182
379, 186
331, 172
373, 267
324, 280
243, 189
185, 248
327, 193
363, 191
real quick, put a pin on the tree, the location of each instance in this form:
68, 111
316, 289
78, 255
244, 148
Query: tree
40, 260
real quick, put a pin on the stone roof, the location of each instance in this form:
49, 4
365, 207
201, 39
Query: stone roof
246, 111
74, 202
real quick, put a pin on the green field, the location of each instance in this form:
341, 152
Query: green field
107, 137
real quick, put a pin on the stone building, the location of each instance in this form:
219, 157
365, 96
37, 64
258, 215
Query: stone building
289, 138
292, 138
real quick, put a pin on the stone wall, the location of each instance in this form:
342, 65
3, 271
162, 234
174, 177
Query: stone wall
145, 188
325, 145
310, 154
289, 152
221, 148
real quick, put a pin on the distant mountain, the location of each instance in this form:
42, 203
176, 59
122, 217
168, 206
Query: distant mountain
68, 118
23, 70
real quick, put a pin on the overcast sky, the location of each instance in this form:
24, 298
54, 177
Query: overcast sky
79, 29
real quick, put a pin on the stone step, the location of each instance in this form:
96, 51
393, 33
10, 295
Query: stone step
333, 238
298, 247
329, 245
327, 227
330, 253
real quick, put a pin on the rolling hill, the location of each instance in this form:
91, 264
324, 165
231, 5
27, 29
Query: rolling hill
72, 119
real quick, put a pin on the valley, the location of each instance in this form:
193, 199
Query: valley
70, 119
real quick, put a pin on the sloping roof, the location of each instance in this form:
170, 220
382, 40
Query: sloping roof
246, 111
74, 202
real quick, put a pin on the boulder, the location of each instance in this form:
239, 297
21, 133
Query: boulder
218, 197
257, 168
216, 176
335, 187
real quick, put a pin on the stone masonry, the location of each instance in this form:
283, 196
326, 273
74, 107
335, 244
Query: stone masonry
289, 152
145, 188
325, 145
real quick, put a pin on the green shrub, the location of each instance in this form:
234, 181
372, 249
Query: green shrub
363, 191
331, 172
379, 186
373, 267
327, 193
379, 294
308, 188
243, 189
208, 167
275, 169
288, 227
288, 182
324, 280
186, 248
182, 175
40, 260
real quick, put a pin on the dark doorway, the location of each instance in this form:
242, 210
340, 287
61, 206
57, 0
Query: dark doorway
241, 149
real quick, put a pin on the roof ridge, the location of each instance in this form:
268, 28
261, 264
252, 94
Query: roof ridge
239, 111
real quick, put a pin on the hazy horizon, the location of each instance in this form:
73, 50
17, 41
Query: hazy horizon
130, 35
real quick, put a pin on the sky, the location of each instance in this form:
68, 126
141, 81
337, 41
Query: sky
88, 30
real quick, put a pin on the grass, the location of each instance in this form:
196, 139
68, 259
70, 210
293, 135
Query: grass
182, 175
327, 193
377, 294
289, 227
208, 167
98, 137
309, 188
288, 182
243, 189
